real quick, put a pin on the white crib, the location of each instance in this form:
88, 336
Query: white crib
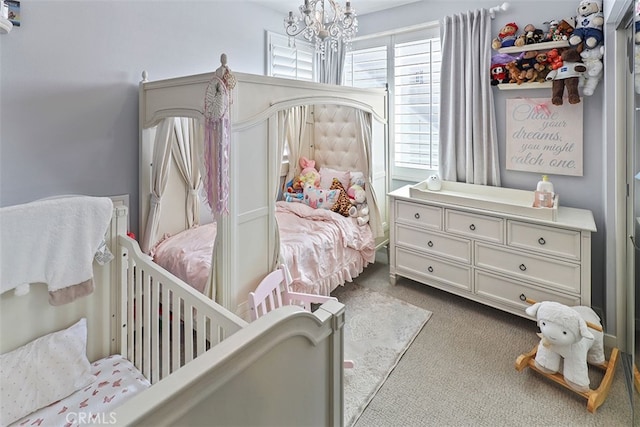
206, 365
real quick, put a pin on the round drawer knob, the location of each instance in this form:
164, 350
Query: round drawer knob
522, 267
430, 269
472, 227
430, 244
542, 241
417, 216
523, 297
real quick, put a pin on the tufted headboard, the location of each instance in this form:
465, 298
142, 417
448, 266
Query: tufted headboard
335, 139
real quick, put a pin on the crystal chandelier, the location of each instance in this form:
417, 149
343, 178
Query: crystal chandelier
320, 25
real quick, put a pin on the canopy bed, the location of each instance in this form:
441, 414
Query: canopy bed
341, 129
145, 348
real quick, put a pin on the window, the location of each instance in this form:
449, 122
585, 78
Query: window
409, 61
292, 60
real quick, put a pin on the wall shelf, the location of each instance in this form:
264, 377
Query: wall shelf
534, 46
525, 85
5, 26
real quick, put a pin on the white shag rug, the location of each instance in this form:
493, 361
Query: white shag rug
378, 330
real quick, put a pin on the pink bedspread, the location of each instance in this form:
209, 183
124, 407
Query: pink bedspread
322, 249
188, 254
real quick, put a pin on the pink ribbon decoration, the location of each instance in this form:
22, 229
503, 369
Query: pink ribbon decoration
217, 135
544, 107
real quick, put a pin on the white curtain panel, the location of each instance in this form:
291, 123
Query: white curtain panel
161, 165
468, 137
330, 69
188, 132
296, 127
363, 135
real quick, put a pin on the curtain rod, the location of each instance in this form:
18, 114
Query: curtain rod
504, 6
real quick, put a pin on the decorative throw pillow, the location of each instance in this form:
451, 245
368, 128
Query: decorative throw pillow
343, 204
327, 175
43, 371
319, 198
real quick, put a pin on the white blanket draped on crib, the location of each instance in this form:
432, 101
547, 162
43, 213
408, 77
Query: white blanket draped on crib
52, 241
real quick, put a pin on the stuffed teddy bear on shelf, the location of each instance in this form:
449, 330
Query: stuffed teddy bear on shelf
506, 37
567, 76
589, 24
592, 59
565, 337
360, 209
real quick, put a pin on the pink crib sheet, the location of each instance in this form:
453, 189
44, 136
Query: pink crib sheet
117, 380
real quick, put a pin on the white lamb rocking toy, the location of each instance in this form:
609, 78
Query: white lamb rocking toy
571, 339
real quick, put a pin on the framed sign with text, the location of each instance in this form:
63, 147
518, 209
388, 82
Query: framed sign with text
544, 138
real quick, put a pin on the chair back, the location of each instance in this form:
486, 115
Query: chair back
269, 294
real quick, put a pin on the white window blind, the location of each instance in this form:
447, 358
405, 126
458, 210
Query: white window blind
417, 103
366, 67
409, 61
289, 60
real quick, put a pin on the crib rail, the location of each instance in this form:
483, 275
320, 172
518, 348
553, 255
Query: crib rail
165, 323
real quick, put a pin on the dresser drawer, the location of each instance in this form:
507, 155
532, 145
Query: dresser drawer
549, 271
434, 243
548, 240
424, 267
481, 227
508, 292
418, 214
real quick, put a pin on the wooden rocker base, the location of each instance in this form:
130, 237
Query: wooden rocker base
596, 397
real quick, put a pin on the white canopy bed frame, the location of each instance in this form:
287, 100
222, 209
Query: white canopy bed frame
228, 372
247, 248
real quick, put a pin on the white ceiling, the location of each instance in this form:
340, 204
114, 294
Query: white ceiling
361, 6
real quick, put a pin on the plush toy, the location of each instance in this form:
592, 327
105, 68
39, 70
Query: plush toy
592, 59
531, 35
564, 29
514, 72
499, 72
526, 64
359, 208
588, 24
566, 337
308, 175
567, 76
542, 66
434, 183
506, 37
554, 59
293, 197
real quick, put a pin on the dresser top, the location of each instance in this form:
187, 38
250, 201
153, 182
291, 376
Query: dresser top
581, 219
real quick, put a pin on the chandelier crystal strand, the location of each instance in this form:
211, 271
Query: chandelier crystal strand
322, 25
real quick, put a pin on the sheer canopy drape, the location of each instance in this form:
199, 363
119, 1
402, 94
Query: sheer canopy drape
468, 137
161, 163
295, 127
187, 132
363, 135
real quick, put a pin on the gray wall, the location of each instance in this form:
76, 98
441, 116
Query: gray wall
580, 192
69, 85
69, 90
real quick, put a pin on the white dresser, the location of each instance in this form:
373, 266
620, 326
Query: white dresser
493, 256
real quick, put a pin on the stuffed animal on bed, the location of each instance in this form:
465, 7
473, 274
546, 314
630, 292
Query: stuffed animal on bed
565, 337
308, 175
360, 209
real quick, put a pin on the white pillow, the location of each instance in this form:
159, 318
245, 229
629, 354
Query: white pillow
327, 175
43, 371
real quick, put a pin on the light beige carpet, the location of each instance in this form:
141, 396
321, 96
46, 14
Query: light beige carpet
378, 330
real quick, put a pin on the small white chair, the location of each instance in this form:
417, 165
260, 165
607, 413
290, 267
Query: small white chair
273, 292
